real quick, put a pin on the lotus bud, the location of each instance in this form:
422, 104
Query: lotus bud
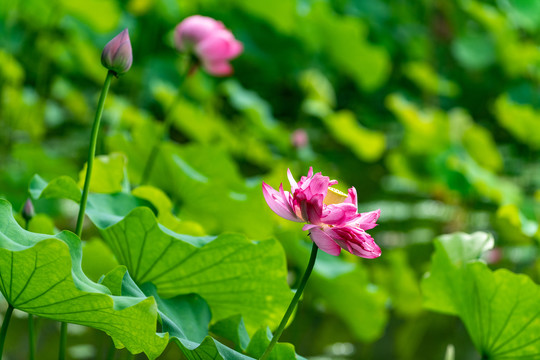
117, 55
28, 211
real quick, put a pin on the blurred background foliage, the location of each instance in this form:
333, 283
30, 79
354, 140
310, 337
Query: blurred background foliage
431, 109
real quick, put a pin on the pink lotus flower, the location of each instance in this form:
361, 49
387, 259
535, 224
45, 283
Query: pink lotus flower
211, 42
333, 219
117, 55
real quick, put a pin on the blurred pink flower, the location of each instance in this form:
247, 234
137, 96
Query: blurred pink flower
117, 55
211, 42
299, 138
332, 216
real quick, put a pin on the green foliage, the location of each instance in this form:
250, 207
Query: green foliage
211, 267
42, 275
430, 109
186, 319
499, 308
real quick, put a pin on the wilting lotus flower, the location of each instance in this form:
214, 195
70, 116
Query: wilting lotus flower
332, 216
210, 41
117, 55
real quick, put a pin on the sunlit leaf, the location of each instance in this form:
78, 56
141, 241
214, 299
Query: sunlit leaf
367, 145
108, 174
519, 119
62, 187
186, 319
425, 77
234, 275
499, 309
41, 274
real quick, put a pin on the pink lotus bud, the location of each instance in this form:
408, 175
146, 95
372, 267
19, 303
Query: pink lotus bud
210, 41
28, 211
117, 55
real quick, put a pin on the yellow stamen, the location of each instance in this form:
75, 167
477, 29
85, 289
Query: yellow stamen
334, 196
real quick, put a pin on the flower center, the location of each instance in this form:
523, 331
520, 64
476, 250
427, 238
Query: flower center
334, 196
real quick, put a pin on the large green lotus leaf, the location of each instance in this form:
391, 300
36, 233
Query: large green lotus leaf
41, 274
103, 209
186, 318
452, 251
164, 207
499, 308
233, 274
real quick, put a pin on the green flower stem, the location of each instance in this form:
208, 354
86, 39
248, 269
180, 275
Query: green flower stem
5, 325
84, 198
293, 303
189, 69
63, 341
92, 151
31, 325
31, 337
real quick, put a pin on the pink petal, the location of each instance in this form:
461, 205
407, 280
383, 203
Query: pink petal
294, 184
193, 29
366, 248
367, 221
235, 49
339, 214
319, 185
218, 68
324, 242
352, 198
273, 199
314, 209
220, 45
371, 216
